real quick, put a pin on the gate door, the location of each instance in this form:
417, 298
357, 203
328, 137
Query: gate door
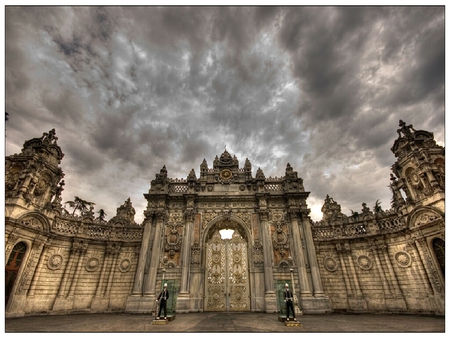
226, 274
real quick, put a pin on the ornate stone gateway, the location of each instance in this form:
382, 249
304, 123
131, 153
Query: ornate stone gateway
227, 285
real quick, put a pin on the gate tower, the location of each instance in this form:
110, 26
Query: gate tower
182, 241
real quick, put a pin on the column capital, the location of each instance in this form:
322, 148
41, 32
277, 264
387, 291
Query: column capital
189, 214
263, 214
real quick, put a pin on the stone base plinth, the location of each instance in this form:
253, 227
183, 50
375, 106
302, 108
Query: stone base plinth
271, 302
160, 322
183, 302
292, 323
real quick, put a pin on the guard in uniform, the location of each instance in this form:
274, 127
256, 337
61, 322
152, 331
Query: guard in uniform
289, 300
162, 299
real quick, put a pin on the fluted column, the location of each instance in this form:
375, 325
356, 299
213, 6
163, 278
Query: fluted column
267, 252
186, 251
42, 248
354, 275
394, 281
381, 273
145, 244
62, 287
115, 250
81, 248
315, 272
270, 296
348, 285
299, 257
99, 291
355, 297
150, 285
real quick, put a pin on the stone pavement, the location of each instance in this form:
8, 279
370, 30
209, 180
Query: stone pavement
225, 322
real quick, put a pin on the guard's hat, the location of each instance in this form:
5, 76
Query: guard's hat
165, 285
287, 285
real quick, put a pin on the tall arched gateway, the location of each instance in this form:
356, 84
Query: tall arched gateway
226, 268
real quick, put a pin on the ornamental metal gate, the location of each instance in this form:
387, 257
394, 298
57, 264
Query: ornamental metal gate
226, 274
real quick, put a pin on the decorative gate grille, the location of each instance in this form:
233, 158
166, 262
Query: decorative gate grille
226, 275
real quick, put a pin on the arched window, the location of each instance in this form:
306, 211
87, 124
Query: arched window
12, 268
439, 250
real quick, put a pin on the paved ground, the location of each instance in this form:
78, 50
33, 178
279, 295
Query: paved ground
225, 322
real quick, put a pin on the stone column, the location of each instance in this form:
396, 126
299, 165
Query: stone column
62, 287
81, 250
396, 301
315, 272
186, 251
354, 275
270, 296
63, 302
99, 291
139, 276
150, 285
299, 257
115, 250
380, 271
356, 301
41, 247
348, 285
184, 296
394, 281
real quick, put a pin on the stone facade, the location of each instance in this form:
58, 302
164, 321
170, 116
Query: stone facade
373, 261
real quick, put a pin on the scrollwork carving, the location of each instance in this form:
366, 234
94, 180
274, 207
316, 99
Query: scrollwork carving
280, 239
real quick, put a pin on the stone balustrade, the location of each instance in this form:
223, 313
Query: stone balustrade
96, 230
323, 232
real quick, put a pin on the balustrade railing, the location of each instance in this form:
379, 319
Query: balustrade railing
355, 230
96, 231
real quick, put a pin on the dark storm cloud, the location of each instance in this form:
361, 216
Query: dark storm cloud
130, 89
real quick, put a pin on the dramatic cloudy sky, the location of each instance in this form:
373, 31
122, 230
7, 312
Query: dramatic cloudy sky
130, 89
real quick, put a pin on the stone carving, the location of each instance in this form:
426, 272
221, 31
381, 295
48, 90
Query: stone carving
331, 210
32, 222
172, 240
195, 254
280, 239
330, 264
125, 265
55, 261
425, 218
124, 215
92, 264
257, 252
403, 259
364, 262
